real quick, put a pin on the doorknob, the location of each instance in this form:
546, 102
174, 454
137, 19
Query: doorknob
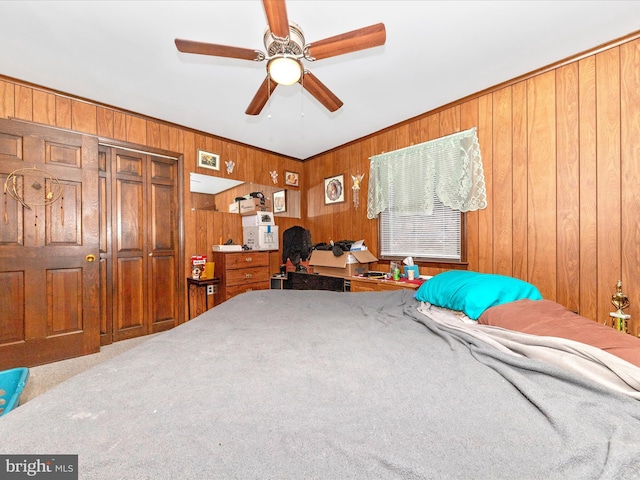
90, 258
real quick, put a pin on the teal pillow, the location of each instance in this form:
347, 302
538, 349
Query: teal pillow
473, 292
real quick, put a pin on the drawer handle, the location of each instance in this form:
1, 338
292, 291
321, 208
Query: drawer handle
248, 275
248, 259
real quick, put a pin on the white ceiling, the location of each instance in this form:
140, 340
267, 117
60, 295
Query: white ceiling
122, 53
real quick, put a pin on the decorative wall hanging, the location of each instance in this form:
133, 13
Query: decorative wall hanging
357, 179
291, 178
32, 188
274, 176
230, 164
208, 160
30, 192
334, 189
280, 201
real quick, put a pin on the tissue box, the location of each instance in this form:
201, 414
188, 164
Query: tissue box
416, 271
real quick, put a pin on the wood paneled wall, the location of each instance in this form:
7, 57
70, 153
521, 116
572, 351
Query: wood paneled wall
202, 228
561, 155
561, 152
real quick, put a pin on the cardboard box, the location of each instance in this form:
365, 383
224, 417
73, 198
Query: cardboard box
234, 207
349, 264
262, 237
255, 205
262, 218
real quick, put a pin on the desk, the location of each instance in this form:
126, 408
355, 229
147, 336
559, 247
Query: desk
361, 284
313, 281
208, 283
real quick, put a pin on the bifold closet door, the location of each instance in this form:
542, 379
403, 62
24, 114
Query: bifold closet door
144, 243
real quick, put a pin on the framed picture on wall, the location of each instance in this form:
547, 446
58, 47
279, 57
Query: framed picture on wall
208, 160
334, 189
280, 201
291, 178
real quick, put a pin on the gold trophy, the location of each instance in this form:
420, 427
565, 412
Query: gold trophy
620, 301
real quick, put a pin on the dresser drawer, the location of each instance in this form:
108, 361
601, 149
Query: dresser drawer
247, 275
238, 289
247, 260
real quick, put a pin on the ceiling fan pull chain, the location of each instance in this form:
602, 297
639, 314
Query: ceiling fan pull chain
269, 96
302, 96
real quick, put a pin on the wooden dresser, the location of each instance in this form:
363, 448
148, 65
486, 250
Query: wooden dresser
240, 272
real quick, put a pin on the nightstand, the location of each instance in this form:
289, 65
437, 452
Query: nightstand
194, 285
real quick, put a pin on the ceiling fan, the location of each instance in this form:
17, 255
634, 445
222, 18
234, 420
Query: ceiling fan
285, 48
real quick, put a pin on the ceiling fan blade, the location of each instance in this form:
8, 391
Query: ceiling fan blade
361, 39
320, 91
261, 97
189, 46
277, 19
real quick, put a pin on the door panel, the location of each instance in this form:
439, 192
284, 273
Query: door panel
162, 217
64, 224
130, 311
12, 327
130, 216
64, 301
162, 291
50, 308
12, 224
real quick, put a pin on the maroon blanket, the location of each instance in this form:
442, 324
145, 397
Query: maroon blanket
548, 318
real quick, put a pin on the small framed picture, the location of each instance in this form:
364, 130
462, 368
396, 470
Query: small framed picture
334, 189
208, 160
280, 201
291, 178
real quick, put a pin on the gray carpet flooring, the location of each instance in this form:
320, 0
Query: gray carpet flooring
45, 377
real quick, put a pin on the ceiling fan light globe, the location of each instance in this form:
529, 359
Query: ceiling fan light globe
284, 70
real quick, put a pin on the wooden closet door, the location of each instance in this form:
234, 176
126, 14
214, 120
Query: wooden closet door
48, 254
162, 269
129, 245
144, 244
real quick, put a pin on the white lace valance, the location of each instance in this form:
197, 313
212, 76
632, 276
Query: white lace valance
450, 167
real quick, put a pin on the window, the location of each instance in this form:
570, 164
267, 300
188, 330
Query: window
436, 237
408, 191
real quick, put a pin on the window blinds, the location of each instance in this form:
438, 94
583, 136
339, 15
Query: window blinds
436, 236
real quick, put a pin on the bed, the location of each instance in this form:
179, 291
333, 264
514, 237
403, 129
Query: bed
285, 384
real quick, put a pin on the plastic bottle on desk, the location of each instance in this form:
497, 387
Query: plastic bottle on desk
396, 274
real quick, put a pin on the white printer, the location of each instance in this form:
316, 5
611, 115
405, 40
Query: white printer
259, 231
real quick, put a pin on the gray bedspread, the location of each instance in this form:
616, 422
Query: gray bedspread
321, 385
